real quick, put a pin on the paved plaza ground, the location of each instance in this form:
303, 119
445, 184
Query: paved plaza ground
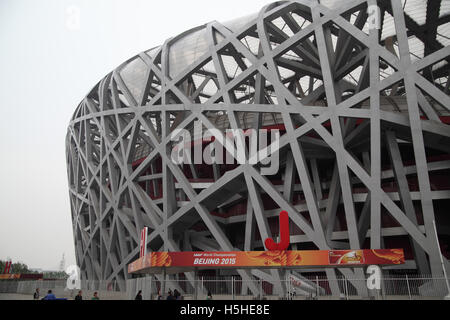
15, 296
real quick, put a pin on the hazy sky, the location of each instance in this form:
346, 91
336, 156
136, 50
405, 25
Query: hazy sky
47, 64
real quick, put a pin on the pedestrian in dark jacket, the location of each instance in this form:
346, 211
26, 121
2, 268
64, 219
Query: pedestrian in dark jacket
170, 296
176, 295
139, 295
79, 296
36, 294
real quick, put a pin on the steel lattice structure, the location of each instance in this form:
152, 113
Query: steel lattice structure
364, 139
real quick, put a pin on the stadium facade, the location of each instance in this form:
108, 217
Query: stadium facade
359, 91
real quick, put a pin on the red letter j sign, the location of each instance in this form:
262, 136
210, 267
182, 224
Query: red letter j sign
284, 235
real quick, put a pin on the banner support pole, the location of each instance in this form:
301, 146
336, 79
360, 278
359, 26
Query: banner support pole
195, 283
163, 284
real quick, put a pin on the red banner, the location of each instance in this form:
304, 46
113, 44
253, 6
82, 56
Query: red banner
155, 261
22, 276
9, 276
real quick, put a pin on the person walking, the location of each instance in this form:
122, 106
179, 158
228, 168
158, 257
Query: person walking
170, 296
36, 294
176, 295
49, 296
209, 296
139, 295
79, 296
95, 297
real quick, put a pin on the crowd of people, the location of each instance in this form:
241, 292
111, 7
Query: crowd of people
51, 296
175, 295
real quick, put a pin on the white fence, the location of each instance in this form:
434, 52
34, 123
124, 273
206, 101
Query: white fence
405, 287
107, 290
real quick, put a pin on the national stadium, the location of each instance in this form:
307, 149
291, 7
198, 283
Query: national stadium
358, 92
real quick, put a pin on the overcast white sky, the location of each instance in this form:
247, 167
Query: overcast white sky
46, 67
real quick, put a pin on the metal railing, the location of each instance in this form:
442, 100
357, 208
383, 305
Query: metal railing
404, 287
109, 290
